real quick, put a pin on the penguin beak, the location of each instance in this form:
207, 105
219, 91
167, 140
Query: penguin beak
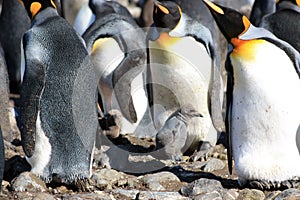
159, 6
230, 22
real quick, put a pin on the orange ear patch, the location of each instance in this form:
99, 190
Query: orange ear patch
35, 8
163, 9
246, 23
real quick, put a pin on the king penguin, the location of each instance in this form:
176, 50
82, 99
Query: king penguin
117, 48
262, 114
284, 22
260, 9
14, 22
182, 65
58, 114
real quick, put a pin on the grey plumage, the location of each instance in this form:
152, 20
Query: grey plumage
173, 135
58, 99
113, 21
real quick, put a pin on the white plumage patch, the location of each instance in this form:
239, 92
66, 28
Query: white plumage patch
265, 114
42, 150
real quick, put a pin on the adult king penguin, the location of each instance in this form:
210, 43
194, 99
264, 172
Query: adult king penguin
58, 115
14, 22
182, 70
284, 22
117, 48
263, 98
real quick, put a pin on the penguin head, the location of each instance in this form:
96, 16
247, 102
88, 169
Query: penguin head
166, 14
230, 22
33, 7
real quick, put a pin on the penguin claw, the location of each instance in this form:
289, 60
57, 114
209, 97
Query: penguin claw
273, 185
202, 153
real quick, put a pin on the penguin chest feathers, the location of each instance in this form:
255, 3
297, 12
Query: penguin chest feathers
266, 92
174, 50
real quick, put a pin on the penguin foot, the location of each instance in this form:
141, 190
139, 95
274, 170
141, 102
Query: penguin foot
273, 185
202, 152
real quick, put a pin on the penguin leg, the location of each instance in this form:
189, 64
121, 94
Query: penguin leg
202, 152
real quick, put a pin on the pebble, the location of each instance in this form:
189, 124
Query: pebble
157, 181
29, 182
250, 194
289, 194
201, 186
150, 195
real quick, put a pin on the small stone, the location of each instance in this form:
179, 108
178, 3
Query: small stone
272, 195
230, 194
27, 181
247, 194
131, 194
213, 164
289, 194
215, 195
159, 180
107, 175
42, 196
201, 186
87, 196
150, 195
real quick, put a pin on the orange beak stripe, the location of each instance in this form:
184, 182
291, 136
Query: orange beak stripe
214, 7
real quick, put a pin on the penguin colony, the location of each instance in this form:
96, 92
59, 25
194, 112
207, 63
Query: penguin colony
67, 76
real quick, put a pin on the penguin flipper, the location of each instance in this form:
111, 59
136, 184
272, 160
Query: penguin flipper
32, 86
215, 91
229, 96
125, 73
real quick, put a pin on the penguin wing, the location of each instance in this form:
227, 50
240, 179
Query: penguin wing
131, 40
229, 96
215, 93
262, 33
32, 86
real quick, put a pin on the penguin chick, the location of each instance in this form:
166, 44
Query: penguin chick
58, 112
173, 134
262, 111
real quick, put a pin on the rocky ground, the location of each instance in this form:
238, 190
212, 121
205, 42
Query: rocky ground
124, 168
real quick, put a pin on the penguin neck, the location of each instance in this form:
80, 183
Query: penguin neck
44, 15
285, 5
